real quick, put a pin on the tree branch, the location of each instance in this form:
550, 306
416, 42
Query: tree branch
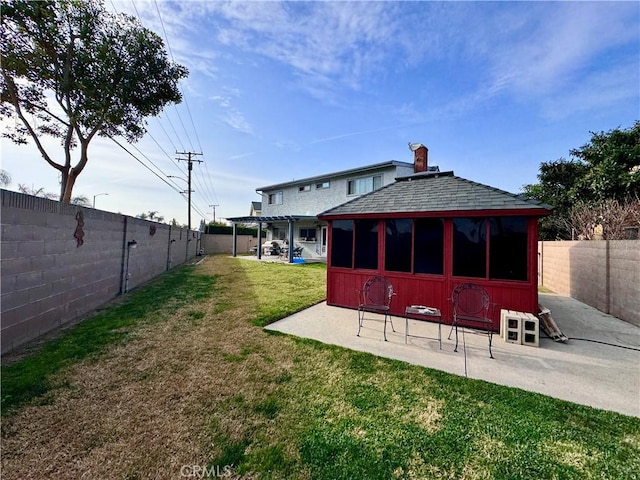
13, 96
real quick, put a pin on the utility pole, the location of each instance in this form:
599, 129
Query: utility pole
189, 161
214, 211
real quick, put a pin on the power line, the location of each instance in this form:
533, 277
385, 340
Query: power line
142, 163
166, 134
164, 151
166, 38
189, 161
210, 183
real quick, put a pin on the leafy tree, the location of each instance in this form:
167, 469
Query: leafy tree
82, 200
37, 192
5, 178
606, 168
72, 70
151, 215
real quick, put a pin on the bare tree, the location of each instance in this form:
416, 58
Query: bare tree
608, 219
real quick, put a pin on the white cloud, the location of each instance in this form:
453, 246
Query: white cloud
236, 120
549, 46
595, 93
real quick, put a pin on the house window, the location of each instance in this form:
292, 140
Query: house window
342, 243
363, 185
397, 245
278, 233
366, 240
470, 247
308, 234
275, 198
429, 246
322, 185
304, 188
508, 248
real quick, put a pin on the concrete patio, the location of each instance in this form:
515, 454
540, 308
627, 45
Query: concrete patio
602, 373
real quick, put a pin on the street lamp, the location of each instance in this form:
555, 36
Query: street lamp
94, 198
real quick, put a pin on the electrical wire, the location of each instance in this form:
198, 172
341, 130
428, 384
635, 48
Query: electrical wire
178, 137
166, 38
598, 341
142, 163
175, 187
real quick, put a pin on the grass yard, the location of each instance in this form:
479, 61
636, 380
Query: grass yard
179, 380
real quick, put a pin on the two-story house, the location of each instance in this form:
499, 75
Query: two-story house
290, 209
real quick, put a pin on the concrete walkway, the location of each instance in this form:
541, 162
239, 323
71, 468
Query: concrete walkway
589, 373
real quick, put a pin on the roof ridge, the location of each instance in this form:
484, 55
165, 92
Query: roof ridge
435, 193
500, 190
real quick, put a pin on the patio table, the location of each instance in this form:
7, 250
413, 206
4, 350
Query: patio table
422, 313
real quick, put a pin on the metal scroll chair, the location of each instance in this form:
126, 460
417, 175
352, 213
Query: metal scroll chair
297, 252
375, 297
471, 307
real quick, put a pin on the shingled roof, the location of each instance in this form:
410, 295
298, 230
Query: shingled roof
435, 192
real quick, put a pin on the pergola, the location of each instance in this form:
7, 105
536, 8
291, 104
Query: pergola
289, 219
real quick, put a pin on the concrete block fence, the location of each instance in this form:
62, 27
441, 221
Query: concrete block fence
602, 273
60, 261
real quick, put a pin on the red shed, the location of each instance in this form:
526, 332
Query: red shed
428, 233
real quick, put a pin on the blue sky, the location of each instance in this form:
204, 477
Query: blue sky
279, 91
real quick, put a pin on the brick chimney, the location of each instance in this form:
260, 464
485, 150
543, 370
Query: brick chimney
420, 159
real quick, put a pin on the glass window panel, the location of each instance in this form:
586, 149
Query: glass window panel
360, 186
366, 248
508, 248
342, 243
470, 247
397, 245
429, 246
308, 233
275, 198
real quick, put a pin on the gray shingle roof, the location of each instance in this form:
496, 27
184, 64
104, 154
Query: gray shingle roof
435, 192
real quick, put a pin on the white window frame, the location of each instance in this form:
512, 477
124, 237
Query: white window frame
308, 229
323, 185
275, 198
362, 185
304, 188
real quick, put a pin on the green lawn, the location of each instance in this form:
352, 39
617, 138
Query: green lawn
268, 405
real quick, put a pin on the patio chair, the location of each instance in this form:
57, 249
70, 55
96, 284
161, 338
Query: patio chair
471, 307
375, 297
297, 252
276, 249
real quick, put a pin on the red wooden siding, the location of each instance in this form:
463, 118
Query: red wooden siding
435, 290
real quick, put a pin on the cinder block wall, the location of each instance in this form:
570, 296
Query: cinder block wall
624, 286
215, 243
603, 274
49, 277
554, 269
588, 270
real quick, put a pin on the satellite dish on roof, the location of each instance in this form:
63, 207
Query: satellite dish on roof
415, 146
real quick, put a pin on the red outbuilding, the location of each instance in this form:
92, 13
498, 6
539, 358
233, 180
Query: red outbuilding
428, 233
